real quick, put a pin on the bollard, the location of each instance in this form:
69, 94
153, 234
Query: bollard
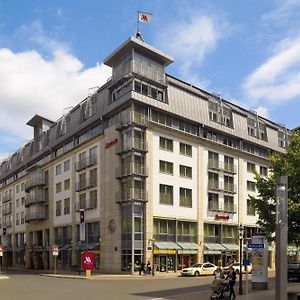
88, 273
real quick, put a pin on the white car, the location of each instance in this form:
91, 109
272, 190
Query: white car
199, 269
236, 267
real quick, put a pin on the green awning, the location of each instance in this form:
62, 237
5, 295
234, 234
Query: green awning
212, 252
188, 246
214, 247
231, 247
167, 245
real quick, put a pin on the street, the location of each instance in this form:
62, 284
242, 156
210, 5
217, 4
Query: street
29, 286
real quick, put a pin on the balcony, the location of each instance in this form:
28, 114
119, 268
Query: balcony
7, 210
229, 188
133, 118
86, 184
35, 215
132, 194
35, 198
221, 166
86, 162
6, 198
215, 206
132, 169
35, 180
229, 208
133, 144
214, 185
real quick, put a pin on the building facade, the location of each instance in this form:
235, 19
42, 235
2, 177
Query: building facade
161, 169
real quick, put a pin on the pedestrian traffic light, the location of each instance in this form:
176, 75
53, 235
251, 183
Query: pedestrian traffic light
81, 216
4, 231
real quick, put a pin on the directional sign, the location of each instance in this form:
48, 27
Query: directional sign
256, 246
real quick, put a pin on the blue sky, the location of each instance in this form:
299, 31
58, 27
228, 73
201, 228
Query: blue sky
51, 53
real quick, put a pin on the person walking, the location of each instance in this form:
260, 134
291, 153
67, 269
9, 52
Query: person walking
142, 268
231, 282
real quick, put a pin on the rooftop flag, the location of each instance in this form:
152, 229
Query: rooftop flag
144, 17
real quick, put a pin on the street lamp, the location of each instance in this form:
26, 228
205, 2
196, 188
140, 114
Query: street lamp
151, 243
241, 236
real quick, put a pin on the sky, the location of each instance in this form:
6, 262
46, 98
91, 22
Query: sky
51, 54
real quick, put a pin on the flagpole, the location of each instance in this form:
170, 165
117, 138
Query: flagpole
138, 23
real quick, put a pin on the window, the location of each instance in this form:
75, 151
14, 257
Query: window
165, 144
229, 184
17, 219
58, 208
229, 204
263, 171
213, 160
185, 149
58, 169
67, 165
213, 201
250, 208
213, 181
229, 164
93, 177
58, 187
17, 188
166, 194
23, 201
185, 197
17, 202
93, 199
250, 167
161, 118
185, 171
82, 181
22, 186
67, 184
82, 201
250, 186
66, 206
166, 167
22, 218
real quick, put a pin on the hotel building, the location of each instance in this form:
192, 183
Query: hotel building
162, 170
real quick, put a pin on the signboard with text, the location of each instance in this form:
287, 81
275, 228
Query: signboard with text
1, 251
55, 250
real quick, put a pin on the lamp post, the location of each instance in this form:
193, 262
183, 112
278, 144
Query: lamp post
151, 242
241, 236
281, 237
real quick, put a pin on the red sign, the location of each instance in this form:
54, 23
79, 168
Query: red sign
109, 144
218, 217
88, 260
55, 250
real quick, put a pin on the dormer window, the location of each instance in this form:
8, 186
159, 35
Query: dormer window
219, 112
88, 108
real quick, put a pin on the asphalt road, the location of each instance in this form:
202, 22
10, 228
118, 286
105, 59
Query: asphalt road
26, 286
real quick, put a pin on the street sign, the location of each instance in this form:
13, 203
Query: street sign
88, 260
246, 262
1, 251
255, 246
55, 250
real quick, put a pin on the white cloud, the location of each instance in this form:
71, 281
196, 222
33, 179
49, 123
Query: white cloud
32, 84
278, 78
190, 41
262, 111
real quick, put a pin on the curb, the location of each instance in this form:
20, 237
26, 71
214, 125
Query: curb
64, 276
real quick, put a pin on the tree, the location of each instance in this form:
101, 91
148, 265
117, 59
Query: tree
287, 164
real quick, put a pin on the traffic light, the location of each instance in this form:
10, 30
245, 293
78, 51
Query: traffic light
4, 231
81, 216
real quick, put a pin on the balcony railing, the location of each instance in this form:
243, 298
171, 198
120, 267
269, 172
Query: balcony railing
37, 197
35, 180
229, 188
215, 206
6, 198
164, 237
133, 118
86, 162
132, 169
132, 194
32, 216
7, 210
214, 185
86, 184
135, 144
229, 208
222, 166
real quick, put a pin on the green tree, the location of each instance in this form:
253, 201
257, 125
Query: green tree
287, 164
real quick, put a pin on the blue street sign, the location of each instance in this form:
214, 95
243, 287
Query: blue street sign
246, 262
256, 246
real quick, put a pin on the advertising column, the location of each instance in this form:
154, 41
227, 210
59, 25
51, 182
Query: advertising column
259, 247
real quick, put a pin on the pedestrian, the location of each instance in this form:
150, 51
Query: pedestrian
142, 268
148, 267
231, 282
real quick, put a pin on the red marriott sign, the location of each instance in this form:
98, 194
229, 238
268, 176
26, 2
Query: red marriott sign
224, 218
109, 144
88, 260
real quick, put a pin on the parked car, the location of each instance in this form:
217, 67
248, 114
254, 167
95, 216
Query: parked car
236, 267
293, 271
199, 269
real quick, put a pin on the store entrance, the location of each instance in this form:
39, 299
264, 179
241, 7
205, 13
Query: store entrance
162, 263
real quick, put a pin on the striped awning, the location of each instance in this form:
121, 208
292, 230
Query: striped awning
231, 247
167, 245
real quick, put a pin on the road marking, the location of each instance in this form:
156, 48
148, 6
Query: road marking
3, 277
